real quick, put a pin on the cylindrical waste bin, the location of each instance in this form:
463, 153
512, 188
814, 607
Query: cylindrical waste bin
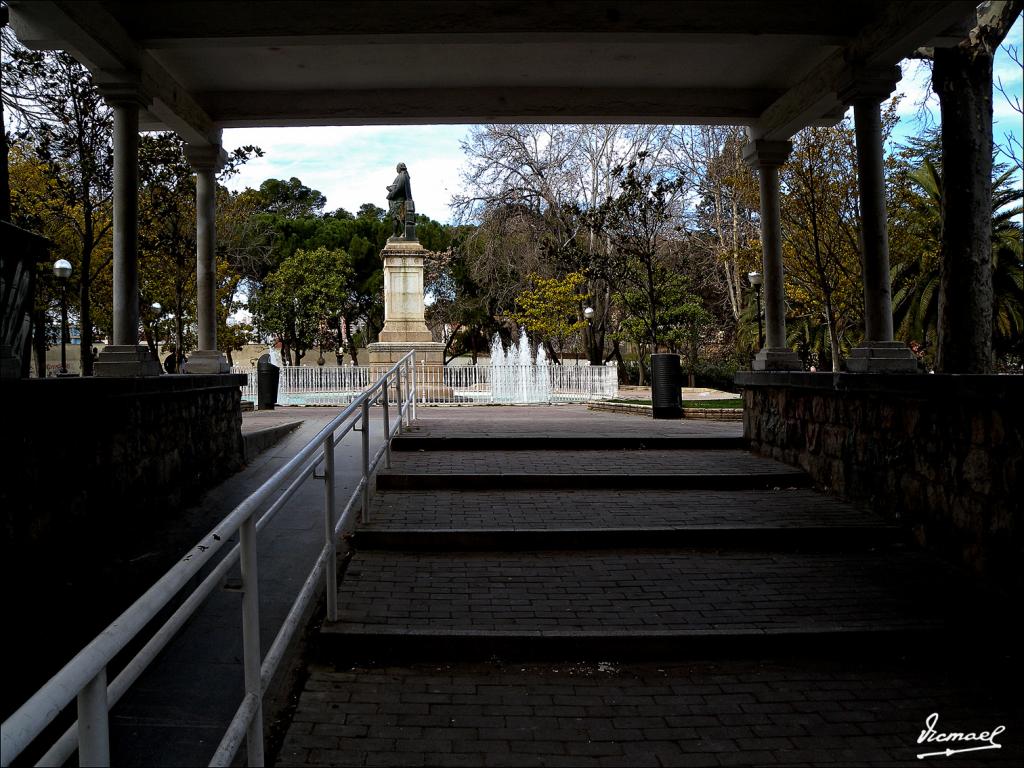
666, 386
267, 376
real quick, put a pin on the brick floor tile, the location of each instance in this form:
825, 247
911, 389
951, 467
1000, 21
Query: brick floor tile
722, 711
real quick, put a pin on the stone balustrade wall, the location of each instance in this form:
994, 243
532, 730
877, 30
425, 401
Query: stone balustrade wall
940, 454
96, 502
85, 455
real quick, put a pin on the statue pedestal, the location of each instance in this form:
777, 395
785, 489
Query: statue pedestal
387, 353
403, 292
405, 328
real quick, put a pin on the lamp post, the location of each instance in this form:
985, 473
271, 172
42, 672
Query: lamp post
588, 313
756, 280
62, 270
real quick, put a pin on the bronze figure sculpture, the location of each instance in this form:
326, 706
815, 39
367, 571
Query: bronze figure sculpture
400, 205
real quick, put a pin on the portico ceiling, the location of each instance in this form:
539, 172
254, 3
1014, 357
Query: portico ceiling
774, 66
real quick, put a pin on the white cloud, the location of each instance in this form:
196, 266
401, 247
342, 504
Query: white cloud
353, 165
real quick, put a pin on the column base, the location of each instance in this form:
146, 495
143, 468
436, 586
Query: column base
882, 357
122, 361
207, 361
777, 359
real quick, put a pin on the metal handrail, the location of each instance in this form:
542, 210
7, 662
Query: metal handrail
85, 676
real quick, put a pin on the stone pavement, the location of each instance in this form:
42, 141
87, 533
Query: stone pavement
744, 713
593, 601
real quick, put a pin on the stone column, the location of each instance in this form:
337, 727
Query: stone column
878, 352
206, 160
125, 356
766, 157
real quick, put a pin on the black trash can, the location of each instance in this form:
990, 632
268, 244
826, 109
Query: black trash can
267, 376
666, 386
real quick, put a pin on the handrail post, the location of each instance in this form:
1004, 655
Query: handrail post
412, 386
387, 426
365, 516
398, 397
331, 565
251, 638
94, 722
408, 392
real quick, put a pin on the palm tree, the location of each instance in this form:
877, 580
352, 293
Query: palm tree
915, 280
915, 276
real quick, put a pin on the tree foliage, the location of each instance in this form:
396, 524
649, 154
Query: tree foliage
550, 310
821, 238
299, 300
63, 122
291, 199
640, 224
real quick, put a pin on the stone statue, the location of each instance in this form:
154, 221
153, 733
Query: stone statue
400, 205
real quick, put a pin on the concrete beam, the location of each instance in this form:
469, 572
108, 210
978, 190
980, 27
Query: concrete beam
46, 26
481, 105
900, 29
94, 37
160, 22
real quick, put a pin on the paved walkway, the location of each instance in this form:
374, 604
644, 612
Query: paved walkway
178, 711
595, 601
742, 713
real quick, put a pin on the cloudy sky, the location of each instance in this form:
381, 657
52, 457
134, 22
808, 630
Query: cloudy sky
353, 165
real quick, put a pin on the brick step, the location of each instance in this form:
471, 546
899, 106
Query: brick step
798, 712
576, 509
547, 442
389, 480
393, 645
701, 469
646, 604
588, 464
830, 537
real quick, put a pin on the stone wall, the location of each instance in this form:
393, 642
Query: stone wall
99, 477
85, 453
941, 454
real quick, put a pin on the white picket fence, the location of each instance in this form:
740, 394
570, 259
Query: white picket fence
442, 385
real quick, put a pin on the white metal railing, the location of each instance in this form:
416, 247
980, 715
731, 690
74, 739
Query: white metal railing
457, 384
85, 676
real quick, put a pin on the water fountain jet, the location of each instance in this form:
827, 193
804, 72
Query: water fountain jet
516, 377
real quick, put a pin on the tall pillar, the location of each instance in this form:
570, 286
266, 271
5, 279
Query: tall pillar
206, 160
125, 356
878, 353
766, 157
